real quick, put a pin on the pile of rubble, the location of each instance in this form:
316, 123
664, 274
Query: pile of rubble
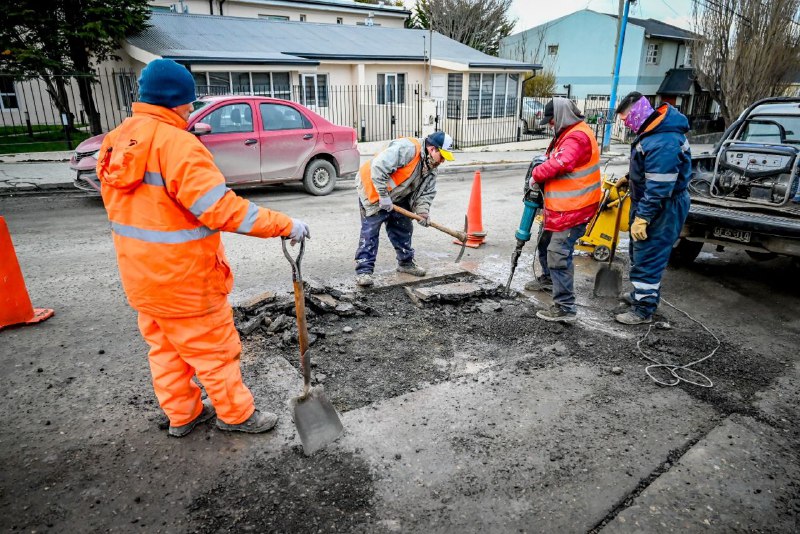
274, 315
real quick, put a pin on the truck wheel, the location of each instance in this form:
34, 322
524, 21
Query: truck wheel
320, 177
685, 252
601, 253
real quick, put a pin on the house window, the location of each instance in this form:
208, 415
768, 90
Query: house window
492, 95
455, 83
302, 18
8, 93
282, 85
232, 118
652, 54
219, 83
126, 90
280, 18
511, 95
241, 83
687, 58
275, 117
274, 84
392, 88
339, 20
552, 50
314, 90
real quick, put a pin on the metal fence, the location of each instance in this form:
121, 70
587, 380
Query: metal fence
376, 112
57, 112
489, 121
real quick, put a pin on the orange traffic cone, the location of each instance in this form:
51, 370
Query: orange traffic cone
475, 234
15, 305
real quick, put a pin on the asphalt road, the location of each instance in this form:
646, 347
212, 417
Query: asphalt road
543, 438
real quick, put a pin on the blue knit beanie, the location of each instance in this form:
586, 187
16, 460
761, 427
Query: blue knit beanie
166, 83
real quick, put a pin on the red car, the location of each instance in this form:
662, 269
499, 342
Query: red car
256, 141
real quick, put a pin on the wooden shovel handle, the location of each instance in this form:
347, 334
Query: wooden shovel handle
461, 236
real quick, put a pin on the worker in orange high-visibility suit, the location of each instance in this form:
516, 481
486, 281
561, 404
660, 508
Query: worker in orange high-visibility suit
167, 202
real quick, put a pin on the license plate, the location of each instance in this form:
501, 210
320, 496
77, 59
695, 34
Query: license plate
734, 235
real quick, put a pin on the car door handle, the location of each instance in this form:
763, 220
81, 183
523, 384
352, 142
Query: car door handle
308, 136
251, 142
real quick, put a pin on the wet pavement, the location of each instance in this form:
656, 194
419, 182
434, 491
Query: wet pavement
459, 417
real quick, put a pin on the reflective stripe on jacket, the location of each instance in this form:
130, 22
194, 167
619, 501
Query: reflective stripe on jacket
580, 187
167, 202
395, 178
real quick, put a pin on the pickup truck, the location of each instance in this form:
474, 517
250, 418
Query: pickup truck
745, 191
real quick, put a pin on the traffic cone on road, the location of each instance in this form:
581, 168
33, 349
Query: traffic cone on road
15, 304
475, 234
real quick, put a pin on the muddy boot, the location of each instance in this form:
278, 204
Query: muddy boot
542, 283
627, 298
556, 314
207, 413
630, 317
411, 268
364, 280
255, 424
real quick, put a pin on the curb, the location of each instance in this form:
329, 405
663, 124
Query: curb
46, 189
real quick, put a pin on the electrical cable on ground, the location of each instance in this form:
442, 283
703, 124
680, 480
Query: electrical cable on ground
674, 369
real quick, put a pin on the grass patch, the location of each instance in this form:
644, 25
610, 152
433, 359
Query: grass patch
14, 140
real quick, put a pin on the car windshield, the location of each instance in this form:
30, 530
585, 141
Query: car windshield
774, 129
197, 105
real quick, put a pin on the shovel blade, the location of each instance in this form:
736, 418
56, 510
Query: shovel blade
316, 420
608, 282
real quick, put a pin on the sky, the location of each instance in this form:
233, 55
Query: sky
531, 13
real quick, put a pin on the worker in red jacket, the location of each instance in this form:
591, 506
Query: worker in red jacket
571, 181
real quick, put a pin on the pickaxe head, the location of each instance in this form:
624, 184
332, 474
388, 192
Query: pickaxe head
463, 241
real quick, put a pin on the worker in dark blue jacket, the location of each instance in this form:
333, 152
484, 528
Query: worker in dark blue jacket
660, 170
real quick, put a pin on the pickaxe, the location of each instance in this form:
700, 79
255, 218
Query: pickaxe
461, 236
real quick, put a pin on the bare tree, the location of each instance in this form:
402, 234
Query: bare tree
480, 24
746, 50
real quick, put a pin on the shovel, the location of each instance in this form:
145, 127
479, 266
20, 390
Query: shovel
314, 416
608, 281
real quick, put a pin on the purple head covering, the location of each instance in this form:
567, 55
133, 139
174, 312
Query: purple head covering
638, 113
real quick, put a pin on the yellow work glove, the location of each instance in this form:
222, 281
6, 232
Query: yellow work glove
639, 229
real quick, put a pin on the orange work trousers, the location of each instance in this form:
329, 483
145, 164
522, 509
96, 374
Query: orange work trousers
207, 346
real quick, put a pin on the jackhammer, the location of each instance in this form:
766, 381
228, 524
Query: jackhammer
533, 199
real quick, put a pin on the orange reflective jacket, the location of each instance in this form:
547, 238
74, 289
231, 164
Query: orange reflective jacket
167, 202
579, 188
396, 178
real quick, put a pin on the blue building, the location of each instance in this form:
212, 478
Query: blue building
579, 49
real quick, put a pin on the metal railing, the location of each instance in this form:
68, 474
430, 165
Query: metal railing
57, 112
489, 121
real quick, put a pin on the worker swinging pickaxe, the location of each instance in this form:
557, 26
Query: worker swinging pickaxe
461, 236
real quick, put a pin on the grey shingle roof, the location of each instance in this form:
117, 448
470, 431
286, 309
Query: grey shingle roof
656, 28
677, 82
207, 38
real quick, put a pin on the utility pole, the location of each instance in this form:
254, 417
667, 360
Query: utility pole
624, 8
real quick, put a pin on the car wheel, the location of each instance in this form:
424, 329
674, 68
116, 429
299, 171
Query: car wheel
685, 252
761, 256
601, 253
320, 177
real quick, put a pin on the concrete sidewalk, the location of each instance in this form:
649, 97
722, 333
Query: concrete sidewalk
49, 171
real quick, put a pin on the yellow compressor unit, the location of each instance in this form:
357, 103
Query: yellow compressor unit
599, 234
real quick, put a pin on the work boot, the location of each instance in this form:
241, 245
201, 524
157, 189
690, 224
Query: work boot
557, 314
411, 268
626, 298
364, 280
207, 413
255, 424
631, 317
541, 283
